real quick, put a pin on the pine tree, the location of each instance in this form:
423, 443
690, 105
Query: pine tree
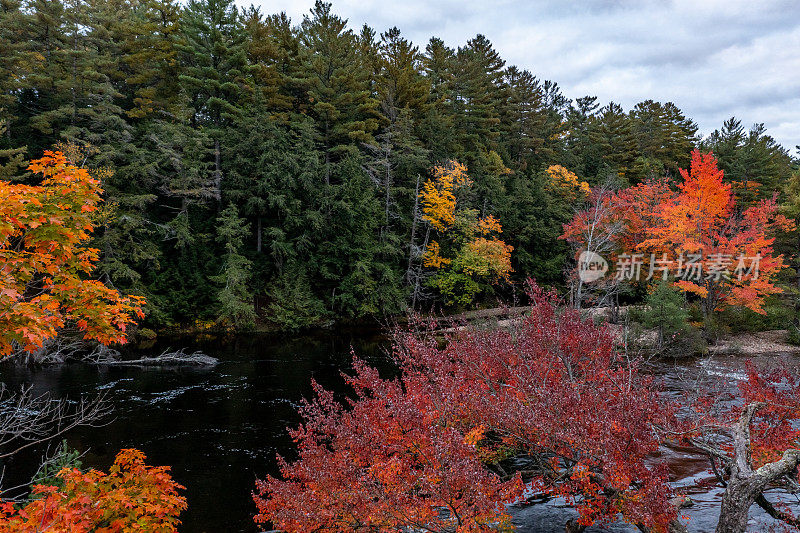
581, 142
150, 59
214, 59
94, 115
481, 95
523, 125
436, 129
336, 86
17, 60
614, 139
43, 91
400, 83
753, 162
12, 160
480, 92
272, 54
665, 138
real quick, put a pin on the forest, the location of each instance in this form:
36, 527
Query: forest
578, 303
259, 170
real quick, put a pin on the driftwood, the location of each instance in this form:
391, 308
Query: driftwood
52, 352
65, 348
506, 316
103, 355
745, 485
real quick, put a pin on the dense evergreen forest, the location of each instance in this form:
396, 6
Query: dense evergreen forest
259, 169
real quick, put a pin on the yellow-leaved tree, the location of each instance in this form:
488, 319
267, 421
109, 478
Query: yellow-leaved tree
466, 253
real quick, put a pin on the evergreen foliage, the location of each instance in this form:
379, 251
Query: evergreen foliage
259, 169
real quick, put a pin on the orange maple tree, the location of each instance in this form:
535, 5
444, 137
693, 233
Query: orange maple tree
695, 226
702, 219
45, 261
130, 497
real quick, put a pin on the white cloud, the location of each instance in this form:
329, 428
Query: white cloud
713, 58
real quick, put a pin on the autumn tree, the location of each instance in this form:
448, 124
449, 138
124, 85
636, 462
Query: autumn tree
738, 258
131, 496
751, 443
432, 449
721, 254
392, 461
566, 183
44, 231
468, 250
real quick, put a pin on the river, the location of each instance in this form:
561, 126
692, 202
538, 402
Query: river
220, 428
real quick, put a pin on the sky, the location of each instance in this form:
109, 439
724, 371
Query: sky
713, 58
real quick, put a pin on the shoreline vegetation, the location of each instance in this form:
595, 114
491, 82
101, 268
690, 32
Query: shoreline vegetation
744, 343
199, 169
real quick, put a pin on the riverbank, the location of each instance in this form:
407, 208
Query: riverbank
759, 343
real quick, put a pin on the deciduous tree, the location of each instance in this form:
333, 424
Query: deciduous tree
44, 231
131, 496
431, 450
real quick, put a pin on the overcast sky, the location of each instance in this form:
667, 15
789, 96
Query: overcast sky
713, 58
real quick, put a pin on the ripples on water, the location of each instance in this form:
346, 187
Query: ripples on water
221, 428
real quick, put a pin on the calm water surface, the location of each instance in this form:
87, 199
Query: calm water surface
220, 428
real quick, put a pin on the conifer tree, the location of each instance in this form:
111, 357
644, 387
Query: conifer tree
665, 138
235, 301
523, 125
753, 162
214, 61
336, 86
614, 139
437, 130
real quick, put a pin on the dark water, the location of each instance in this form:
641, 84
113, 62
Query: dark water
218, 428
221, 428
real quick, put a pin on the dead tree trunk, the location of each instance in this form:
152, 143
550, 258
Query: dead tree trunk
745, 486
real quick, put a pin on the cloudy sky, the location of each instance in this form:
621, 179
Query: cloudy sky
713, 58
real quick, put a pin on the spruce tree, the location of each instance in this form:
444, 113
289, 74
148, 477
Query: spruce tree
235, 301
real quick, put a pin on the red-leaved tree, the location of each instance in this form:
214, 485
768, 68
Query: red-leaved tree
391, 461
441, 447
751, 439
714, 250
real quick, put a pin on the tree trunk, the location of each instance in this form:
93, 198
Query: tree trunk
258, 237
217, 171
745, 486
736, 502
